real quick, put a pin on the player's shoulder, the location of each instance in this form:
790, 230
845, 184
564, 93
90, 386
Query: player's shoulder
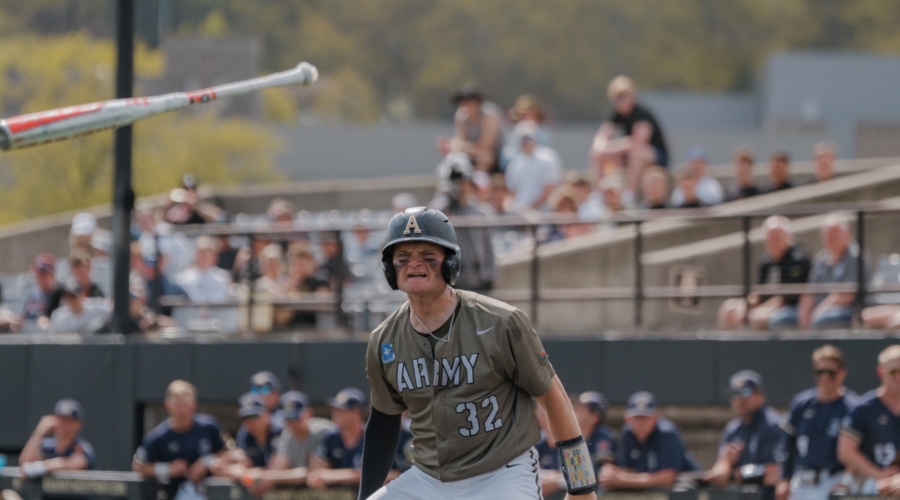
666, 427
732, 426
391, 325
206, 422
483, 305
158, 432
85, 446
850, 399
866, 403
773, 417
803, 399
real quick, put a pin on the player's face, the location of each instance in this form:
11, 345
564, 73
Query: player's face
255, 423
747, 405
890, 375
66, 428
181, 408
642, 426
418, 267
829, 376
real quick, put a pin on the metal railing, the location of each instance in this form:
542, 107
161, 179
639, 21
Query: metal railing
638, 292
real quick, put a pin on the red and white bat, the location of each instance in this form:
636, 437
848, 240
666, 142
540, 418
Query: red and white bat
65, 123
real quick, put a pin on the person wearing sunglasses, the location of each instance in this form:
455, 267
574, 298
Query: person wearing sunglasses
750, 439
870, 436
267, 385
811, 468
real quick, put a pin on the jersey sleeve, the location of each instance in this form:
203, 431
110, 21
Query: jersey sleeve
854, 424
88, 452
530, 366
383, 396
284, 441
323, 452
216, 441
146, 452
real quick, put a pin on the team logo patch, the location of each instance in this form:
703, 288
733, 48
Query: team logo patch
542, 357
387, 353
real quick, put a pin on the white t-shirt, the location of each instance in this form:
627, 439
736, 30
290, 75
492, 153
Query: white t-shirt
94, 315
528, 175
205, 285
708, 191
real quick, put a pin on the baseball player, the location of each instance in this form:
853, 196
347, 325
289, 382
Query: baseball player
258, 435
752, 438
466, 367
339, 456
267, 385
55, 443
870, 435
652, 452
179, 451
811, 468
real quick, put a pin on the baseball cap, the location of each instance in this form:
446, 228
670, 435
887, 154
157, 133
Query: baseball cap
250, 405
466, 92
260, 380
84, 224
594, 401
744, 383
349, 399
641, 404
292, 404
697, 153
68, 408
44, 262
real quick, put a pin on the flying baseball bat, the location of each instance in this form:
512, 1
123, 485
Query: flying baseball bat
74, 121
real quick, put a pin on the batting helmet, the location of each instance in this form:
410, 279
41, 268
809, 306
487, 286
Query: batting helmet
421, 224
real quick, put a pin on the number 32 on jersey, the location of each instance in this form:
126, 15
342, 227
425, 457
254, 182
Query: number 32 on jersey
492, 422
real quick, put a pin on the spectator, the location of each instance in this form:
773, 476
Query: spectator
297, 444
179, 451
641, 145
34, 317
563, 201
811, 468
707, 189
401, 201
246, 261
655, 187
824, 154
156, 284
303, 280
532, 175
339, 457
785, 262
56, 443
258, 435
779, 171
80, 272
204, 282
590, 411
206, 210
837, 262
78, 314
687, 190
334, 269
267, 385
500, 199
745, 182
180, 209
477, 130
526, 109
271, 265
227, 255
651, 453
143, 319
869, 439
281, 212
84, 225
456, 195
750, 439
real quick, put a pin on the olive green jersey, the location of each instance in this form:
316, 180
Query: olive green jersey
469, 402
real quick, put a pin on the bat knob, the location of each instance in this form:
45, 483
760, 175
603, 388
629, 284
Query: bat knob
309, 72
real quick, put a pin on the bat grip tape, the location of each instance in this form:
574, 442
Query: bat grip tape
577, 466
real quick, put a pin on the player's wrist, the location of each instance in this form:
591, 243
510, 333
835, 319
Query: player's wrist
577, 467
34, 469
162, 470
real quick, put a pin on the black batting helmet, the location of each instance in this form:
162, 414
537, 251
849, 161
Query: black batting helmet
421, 224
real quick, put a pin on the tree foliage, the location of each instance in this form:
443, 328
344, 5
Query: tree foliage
50, 72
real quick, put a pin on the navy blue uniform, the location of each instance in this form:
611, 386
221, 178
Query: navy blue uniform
548, 456
876, 428
258, 453
48, 450
403, 460
761, 437
663, 450
811, 431
335, 454
162, 444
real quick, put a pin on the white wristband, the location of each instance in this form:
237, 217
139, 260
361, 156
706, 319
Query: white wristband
161, 470
207, 460
34, 469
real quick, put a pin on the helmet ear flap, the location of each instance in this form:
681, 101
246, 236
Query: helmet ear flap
450, 267
387, 266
